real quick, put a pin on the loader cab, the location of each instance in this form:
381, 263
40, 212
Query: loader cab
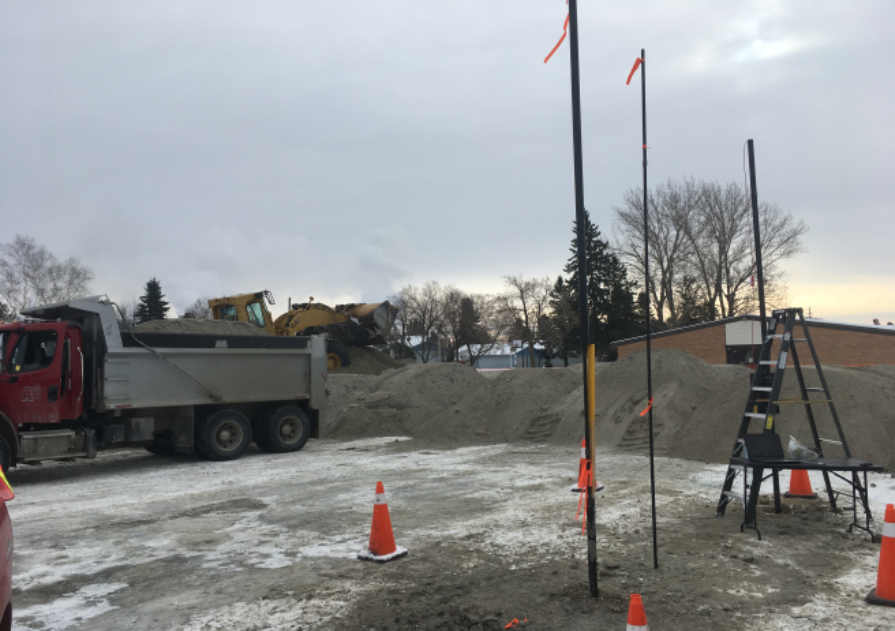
249, 308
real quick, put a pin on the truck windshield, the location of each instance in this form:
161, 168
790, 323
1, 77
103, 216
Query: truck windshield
256, 316
34, 351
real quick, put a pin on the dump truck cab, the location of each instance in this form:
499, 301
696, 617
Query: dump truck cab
41, 367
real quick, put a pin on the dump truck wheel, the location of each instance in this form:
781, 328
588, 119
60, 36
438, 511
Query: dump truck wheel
161, 446
223, 435
336, 355
284, 429
6, 455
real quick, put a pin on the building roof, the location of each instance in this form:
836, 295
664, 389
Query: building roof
881, 329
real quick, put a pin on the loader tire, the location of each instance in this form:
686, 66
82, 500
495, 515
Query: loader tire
223, 435
336, 355
284, 429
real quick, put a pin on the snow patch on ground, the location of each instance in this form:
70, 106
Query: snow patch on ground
69, 610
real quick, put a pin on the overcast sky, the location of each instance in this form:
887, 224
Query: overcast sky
342, 149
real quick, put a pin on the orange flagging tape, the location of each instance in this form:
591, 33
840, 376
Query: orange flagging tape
647, 407
633, 70
561, 39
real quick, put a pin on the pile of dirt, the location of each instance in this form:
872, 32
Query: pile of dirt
198, 326
697, 406
369, 361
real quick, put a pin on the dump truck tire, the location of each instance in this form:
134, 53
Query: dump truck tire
223, 435
161, 446
284, 429
6, 455
336, 355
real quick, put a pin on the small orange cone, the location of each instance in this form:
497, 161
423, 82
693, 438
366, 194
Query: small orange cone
884, 594
584, 474
800, 485
382, 540
636, 614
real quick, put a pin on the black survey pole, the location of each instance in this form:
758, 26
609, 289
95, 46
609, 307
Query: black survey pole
649, 359
757, 232
581, 225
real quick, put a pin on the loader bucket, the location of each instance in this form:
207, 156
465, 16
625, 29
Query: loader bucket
376, 318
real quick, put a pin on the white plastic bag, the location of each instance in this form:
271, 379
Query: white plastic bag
799, 451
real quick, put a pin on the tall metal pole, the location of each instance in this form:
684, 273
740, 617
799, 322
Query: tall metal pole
757, 232
581, 225
649, 358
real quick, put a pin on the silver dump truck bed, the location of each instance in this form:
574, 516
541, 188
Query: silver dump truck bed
152, 370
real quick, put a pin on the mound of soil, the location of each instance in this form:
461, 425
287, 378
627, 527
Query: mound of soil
199, 326
697, 406
369, 361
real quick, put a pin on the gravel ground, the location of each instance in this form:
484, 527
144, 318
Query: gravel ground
135, 541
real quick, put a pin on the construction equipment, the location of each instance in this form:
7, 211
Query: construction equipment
74, 383
361, 324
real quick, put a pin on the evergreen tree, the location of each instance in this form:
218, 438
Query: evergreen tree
153, 305
612, 309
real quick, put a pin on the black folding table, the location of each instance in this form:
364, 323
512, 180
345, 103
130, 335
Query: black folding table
838, 467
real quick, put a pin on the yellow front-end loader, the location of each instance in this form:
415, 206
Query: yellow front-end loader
362, 324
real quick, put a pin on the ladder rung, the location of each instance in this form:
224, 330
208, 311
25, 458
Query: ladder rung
775, 337
814, 389
768, 362
756, 415
761, 389
735, 496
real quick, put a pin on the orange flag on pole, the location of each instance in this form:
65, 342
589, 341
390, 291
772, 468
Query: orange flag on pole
561, 40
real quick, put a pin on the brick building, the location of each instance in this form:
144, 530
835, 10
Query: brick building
735, 340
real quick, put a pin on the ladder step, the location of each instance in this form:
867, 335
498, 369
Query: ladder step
735, 496
814, 389
761, 389
756, 415
768, 362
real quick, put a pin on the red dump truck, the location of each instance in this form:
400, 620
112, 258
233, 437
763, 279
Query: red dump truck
73, 383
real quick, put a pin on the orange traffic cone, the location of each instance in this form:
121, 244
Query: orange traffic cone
800, 485
6, 492
884, 594
584, 474
382, 541
636, 614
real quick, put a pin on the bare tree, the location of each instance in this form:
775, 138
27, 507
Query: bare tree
199, 309
126, 314
30, 273
424, 312
701, 243
398, 336
526, 302
671, 209
724, 243
474, 322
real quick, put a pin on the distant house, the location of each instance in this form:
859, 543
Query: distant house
505, 356
737, 340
